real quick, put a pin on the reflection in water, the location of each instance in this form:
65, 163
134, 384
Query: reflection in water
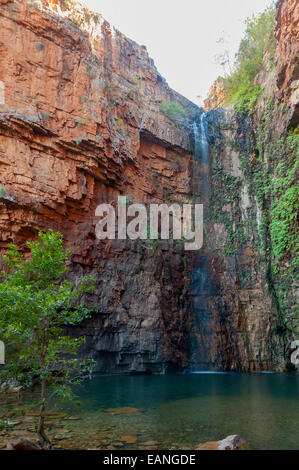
202, 289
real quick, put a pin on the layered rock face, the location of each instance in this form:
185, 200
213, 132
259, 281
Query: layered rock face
235, 320
287, 55
217, 95
247, 293
80, 125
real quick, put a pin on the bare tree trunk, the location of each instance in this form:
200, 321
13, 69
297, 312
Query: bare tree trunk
43, 439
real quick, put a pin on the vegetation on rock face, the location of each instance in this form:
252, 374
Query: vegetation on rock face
172, 109
270, 168
274, 180
284, 229
36, 304
243, 91
285, 205
81, 15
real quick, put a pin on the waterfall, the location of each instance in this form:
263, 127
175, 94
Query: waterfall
202, 287
201, 143
201, 153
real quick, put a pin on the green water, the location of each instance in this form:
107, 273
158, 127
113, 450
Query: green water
181, 411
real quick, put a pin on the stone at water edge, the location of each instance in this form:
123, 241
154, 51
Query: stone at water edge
22, 444
234, 442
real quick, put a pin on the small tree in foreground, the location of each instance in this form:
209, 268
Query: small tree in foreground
35, 306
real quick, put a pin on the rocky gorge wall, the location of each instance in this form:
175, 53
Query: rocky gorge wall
251, 260
80, 124
237, 324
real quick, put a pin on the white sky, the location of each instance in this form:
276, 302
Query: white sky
181, 35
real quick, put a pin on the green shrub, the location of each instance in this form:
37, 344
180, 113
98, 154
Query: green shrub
80, 122
259, 36
172, 109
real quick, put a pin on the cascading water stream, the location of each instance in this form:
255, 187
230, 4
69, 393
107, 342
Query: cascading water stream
201, 153
201, 284
201, 143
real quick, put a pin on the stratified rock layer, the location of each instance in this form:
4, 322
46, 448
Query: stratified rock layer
217, 95
235, 321
287, 55
239, 300
80, 124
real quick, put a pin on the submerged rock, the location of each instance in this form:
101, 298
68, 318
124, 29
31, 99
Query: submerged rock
128, 439
123, 410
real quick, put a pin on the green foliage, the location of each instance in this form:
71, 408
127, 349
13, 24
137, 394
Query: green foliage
273, 179
225, 191
246, 96
172, 109
2, 191
137, 80
285, 206
134, 91
36, 303
5, 426
284, 213
80, 121
270, 168
259, 36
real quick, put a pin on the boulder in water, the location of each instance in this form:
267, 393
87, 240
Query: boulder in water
22, 444
234, 442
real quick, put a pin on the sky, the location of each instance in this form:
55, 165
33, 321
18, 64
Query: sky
184, 37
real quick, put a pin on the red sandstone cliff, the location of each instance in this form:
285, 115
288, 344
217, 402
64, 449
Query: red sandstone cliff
216, 96
80, 124
287, 55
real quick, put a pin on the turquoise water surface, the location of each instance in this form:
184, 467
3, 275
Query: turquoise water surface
181, 411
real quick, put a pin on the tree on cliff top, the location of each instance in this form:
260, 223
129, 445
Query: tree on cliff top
258, 38
35, 304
